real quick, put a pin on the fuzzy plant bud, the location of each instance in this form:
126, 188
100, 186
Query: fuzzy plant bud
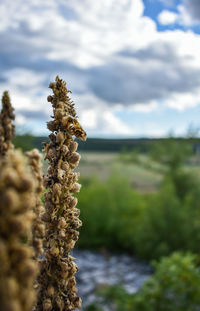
57, 285
7, 129
17, 267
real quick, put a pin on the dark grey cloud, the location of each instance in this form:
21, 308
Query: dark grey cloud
131, 77
18, 49
50, 68
148, 74
193, 8
33, 114
24, 47
158, 51
20, 52
144, 79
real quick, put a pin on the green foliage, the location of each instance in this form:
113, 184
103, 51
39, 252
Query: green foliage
174, 286
24, 142
170, 222
171, 151
127, 156
109, 211
158, 233
27, 141
93, 307
118, 218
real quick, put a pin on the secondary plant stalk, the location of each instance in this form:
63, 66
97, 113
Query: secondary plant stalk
7, 129
38, 229
17, 267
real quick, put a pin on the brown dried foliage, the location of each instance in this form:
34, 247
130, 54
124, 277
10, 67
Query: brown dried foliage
57, 284
17, 268
7, 129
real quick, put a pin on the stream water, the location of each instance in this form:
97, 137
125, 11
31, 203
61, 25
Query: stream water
96, 269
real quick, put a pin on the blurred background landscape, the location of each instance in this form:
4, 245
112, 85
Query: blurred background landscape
133, 67
139, 202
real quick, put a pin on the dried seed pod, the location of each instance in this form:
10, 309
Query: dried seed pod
57, 286
47, 306
73, 146
17, 267
45, 217
60, 137
74, 159
50, 98
61, 223
72, 202
75, 188
65, 166
50, 291
10, 199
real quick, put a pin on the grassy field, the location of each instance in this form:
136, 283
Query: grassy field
144, 174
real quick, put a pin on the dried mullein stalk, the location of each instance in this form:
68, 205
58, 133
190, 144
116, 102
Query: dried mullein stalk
38, 228
57, 282
7, 129
17, 268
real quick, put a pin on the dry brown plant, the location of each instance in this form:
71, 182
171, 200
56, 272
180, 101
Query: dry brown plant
38, 229
7, 129
57, 284
17, 267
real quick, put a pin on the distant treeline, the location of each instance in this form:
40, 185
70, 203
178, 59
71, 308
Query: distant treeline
27, 142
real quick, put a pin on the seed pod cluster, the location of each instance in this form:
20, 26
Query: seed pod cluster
38, 229
17, 268
7, 129
57, 284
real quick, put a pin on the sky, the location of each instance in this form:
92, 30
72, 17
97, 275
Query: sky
133, 66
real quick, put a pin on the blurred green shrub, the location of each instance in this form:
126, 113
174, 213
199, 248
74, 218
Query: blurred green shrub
93, 307
171, 221
24, 142
174, 286
118, 218
171, 151
109, 211
129, 156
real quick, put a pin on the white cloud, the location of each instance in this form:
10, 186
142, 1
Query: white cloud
88, 119
99, 118
84, 42
184, 18
20, 120
188, 14
20, 77
183, 101
146, 108
167, 17
100, 29
114, 125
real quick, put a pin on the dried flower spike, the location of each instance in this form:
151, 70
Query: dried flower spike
7, 129
17, 268
57, 283
38, 229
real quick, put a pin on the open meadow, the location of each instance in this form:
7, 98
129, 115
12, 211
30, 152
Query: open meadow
145, 175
